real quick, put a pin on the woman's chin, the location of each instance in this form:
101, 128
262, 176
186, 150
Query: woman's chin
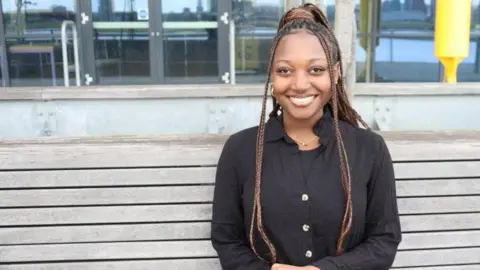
303, 114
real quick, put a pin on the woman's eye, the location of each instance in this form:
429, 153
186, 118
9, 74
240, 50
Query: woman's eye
283, 71
317, 70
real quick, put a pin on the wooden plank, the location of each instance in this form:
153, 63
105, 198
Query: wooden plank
137, 151
195, 230
135, 92
444, 222
427, 240
105, 233
190, 264
107, 251
457, 204
115, 177
204, 194
105, 196
104, 214
439, 257
194, 212
102, 156
437, 169
206, 175
191, 231
449, 267
438, 187
196, 249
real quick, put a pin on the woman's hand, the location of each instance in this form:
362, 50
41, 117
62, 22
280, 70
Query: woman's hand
278, 266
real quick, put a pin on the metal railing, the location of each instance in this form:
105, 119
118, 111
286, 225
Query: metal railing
66, 74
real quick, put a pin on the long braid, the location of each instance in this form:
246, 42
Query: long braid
257, 209
313, 19
347, 218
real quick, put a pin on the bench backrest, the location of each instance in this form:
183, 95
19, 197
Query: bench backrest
145, 203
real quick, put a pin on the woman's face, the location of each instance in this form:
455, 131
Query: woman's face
300, 76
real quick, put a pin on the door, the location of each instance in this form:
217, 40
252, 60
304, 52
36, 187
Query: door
195, 41
123, 50
157, 41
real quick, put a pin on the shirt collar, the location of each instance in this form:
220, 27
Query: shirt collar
274, 129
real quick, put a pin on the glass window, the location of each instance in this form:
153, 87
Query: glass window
33, 40
121, 41
469, 68
256, 25
404, 47
190, 41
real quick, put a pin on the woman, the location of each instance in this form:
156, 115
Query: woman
308, 189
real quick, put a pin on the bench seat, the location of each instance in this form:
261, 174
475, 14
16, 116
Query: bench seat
129, 202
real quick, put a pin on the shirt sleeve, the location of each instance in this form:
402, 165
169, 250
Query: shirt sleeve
383, 232
227, 229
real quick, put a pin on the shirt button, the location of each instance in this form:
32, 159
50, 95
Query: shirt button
304, 197
306, 228
308, 254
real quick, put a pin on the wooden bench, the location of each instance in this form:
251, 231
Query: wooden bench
145, 202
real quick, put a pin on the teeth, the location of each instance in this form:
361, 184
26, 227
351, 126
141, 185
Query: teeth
302, 101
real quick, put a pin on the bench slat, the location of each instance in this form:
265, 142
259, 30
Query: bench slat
196, 249
105, 233
442, 222
449, 169
107, 251
201, 231
205, 175
195, 212
189, 194
105, 214
450, 267
105, 196
407, 188
107, 177
426, 240
188, 151
437, 257
193, 230
191, 264
457, 204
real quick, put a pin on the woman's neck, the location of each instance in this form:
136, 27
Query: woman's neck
300, 130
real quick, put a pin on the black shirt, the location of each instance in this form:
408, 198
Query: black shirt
303, 201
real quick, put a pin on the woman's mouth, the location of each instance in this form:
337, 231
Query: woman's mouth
302, 101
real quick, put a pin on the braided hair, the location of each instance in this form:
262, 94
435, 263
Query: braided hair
308, 17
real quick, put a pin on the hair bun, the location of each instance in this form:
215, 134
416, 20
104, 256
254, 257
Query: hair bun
307, 11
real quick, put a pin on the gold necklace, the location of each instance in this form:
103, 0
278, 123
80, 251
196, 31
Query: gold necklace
305, 143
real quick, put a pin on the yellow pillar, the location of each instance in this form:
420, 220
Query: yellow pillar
452, 34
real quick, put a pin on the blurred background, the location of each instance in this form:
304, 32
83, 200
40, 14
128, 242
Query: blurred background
185, 41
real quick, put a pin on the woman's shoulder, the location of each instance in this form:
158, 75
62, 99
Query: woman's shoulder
365, 138
242, 139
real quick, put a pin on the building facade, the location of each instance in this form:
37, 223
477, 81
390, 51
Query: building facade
195, 41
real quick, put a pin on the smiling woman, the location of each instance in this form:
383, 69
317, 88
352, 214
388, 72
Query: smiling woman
294, 72
310, 188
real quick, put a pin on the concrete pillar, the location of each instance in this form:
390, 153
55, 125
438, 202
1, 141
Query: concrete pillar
319, 3
291, 3
345, 30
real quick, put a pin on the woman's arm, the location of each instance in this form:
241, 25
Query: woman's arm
228, 232
383, 233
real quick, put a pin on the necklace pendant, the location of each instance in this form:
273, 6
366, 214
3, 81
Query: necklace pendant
304, 144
